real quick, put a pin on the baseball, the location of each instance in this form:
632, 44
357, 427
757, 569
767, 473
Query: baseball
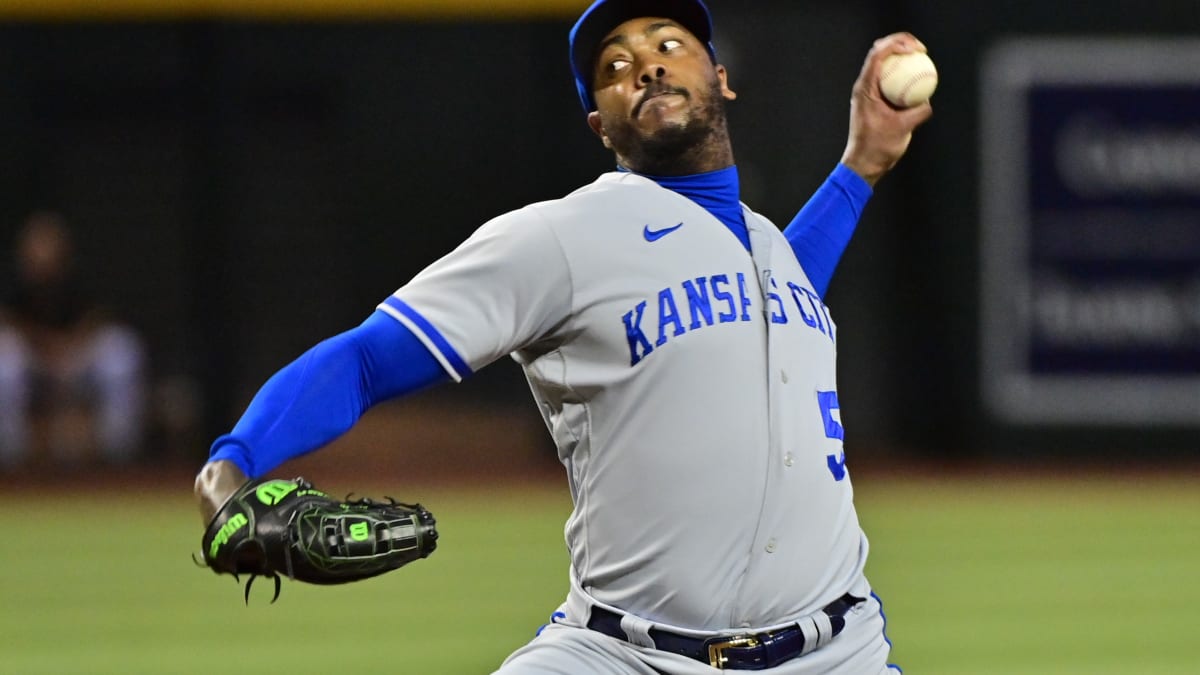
908, 79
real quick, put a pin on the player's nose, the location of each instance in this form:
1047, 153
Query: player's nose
651, 72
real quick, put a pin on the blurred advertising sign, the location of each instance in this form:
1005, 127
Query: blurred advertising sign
1090, 194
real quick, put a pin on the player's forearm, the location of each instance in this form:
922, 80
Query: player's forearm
821, 231
304, 406
321, 395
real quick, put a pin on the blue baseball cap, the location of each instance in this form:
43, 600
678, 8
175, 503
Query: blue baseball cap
605, 15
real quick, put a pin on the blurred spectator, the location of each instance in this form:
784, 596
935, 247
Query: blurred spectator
72, 382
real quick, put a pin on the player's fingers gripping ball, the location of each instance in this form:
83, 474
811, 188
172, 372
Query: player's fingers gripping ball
287, 527
908, 79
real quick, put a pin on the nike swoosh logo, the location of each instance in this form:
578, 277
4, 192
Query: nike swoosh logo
655, 235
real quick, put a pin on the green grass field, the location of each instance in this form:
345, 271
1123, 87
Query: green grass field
981, 576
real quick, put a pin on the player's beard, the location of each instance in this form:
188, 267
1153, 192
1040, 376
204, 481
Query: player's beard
700, 143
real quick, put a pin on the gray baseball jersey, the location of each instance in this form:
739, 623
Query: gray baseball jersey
690, 389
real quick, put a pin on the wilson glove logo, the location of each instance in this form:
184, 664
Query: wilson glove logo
360, 531
273, 492
236, 522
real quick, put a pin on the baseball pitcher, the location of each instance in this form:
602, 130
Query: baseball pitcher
679, 348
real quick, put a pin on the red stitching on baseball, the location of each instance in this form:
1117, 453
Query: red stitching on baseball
912, 81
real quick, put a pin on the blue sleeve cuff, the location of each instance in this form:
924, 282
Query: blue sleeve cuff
852, 184
228, 448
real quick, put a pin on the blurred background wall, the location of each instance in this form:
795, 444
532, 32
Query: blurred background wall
245, 179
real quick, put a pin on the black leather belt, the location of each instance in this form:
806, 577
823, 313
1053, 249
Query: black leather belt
754, 651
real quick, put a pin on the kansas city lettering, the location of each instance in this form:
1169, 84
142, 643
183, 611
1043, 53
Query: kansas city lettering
698, 303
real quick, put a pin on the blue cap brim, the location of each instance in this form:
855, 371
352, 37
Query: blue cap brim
605, 15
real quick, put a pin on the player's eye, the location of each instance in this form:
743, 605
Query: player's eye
617, 65
670, 44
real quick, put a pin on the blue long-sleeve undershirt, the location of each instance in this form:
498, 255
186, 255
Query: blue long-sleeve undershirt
321, 395
822, 229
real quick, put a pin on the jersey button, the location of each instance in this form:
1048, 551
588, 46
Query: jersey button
783, 376
771, 545
788, 459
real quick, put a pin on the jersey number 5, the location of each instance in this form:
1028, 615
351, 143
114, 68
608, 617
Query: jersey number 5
828, 401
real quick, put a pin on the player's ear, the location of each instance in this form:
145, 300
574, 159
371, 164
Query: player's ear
723, 78
597, 126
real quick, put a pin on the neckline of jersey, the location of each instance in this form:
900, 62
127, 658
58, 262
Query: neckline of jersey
718, 192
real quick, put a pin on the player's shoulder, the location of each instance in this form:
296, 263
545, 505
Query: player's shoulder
610, 194
606, 183
608, 197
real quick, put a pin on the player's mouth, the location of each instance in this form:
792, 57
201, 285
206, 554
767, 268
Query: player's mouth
653, 92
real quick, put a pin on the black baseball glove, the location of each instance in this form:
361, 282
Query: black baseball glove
273, 527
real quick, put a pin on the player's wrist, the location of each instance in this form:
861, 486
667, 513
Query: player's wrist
870, 172
870, 161
852, 183
215, 484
